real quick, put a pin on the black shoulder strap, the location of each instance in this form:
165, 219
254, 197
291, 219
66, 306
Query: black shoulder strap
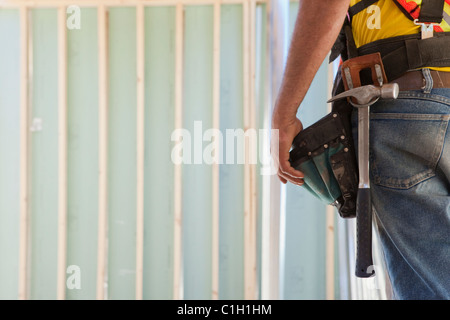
432, 11
360, 6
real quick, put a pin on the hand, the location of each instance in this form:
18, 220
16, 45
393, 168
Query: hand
287, 128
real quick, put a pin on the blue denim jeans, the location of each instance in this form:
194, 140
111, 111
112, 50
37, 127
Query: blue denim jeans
410, 188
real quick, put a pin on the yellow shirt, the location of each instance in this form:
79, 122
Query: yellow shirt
384, 20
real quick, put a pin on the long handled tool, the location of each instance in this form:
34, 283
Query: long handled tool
362, 97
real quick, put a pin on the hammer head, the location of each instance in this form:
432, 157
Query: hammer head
369, 94
389, 91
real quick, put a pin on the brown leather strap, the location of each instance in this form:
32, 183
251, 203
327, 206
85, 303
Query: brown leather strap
414, 80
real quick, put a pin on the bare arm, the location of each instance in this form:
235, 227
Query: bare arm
317, 27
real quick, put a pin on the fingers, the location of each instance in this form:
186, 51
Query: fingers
285, 179
282, 135
287, 173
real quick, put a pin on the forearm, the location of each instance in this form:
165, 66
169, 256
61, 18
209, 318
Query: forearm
317, 27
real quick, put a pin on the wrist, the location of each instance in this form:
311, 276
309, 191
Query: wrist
283, 117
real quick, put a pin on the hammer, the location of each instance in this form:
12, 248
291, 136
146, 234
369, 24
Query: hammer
365, 96
362, 98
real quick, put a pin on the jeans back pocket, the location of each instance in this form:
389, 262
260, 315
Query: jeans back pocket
406, 147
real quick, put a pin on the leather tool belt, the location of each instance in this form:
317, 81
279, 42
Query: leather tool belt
414, 80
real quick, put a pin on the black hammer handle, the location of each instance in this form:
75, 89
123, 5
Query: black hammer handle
364, 264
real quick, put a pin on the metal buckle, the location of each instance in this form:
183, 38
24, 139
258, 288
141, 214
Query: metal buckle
427, 28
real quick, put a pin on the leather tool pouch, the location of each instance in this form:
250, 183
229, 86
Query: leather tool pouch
325, 153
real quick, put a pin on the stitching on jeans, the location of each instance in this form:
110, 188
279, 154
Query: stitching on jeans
411, 116
421, 96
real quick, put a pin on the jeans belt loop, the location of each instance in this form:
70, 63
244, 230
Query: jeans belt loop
428, 80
